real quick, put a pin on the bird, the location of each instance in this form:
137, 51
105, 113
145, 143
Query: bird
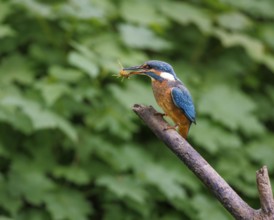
170, 93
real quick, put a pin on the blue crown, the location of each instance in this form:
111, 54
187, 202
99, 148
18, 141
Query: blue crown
161, 66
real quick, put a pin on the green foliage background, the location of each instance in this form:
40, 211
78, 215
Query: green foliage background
70, 146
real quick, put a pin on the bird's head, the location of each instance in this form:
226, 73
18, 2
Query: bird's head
156, 70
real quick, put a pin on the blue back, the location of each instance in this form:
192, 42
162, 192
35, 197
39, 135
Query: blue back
183, 100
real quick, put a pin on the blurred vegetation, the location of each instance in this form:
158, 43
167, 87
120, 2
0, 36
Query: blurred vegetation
70, 146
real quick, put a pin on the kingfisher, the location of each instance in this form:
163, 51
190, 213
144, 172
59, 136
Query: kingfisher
170, 93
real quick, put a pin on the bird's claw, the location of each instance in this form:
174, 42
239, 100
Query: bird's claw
171, 127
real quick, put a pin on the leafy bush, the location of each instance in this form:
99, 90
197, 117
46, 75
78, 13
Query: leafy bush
70, 146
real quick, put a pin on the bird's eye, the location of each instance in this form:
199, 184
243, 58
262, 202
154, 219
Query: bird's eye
146, 66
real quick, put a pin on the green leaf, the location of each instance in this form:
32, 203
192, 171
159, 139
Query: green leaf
266, 33
5, 10
107, 117
262, 150
6, 31
253, 47
130, 10
9, 201
5, 218
142, 38
65, 74
83, 63
51, 92
40, 118
81, 9
214, 138
120, 159
255, 8
35, 8
33, 214
134, 92
72, 174
231, 108
16, 68
234, 21
3, 151
132, 157
185, 14
16, 118
67, 204
269, 61
167, 182
209, 208
124, 186
233, 172
33, 186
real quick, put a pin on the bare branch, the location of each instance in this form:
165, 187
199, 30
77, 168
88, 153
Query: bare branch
199, 166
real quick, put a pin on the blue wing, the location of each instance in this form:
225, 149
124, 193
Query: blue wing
182, 99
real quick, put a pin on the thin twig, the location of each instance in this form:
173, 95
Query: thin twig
265, 192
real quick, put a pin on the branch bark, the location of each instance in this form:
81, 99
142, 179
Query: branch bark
265, 194
199, 166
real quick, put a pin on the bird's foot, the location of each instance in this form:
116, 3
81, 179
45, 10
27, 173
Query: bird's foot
160, 114
171, 127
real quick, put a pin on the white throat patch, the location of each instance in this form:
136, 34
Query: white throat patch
167, 76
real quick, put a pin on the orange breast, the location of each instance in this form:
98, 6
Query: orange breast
162, 93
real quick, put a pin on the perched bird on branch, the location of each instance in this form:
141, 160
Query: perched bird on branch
170, 93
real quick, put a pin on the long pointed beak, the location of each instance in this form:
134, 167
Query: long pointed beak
134, 68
